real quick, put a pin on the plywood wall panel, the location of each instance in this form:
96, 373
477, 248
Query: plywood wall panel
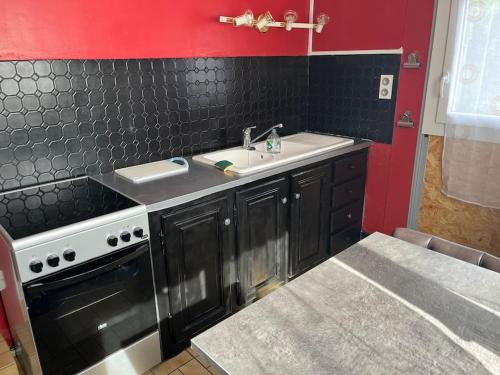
452, 219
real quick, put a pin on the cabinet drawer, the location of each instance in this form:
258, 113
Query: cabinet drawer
347, 192
348, 168
346, 216
342, 240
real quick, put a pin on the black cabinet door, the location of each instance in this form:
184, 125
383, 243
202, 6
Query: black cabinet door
197, 253
309, 230
262, 243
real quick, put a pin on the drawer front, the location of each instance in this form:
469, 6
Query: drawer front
346, 216
348, 168
342, 240
347, 192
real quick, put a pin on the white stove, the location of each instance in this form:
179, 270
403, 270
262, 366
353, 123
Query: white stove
78, 270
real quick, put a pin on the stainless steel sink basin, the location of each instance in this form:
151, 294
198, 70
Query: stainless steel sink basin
294, 147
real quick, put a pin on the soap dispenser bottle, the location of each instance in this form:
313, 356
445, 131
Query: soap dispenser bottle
273, 143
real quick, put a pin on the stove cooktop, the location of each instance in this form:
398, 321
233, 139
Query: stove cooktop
42, 208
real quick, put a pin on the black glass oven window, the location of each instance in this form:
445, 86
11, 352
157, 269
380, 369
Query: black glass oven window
79, 323
38, 209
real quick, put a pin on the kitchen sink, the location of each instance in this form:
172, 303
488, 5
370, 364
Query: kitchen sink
293, 148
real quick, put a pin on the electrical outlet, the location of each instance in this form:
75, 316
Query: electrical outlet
385, 89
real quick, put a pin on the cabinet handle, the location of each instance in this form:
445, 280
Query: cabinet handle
297, 195
284, 200
349, 191
352, 166
227, 222
349, 216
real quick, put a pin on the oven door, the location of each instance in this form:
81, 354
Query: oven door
83, 314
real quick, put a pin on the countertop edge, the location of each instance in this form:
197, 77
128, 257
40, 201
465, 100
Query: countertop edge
209, 359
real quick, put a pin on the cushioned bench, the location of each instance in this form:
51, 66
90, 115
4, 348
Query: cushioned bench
453, 249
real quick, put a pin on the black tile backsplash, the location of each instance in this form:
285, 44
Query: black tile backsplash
343, 95
66, 118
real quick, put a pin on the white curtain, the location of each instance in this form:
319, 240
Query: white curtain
471, 155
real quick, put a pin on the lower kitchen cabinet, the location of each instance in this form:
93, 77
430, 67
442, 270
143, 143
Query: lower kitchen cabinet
262, 244
348, 180
235, 246
346, 238
310, 209
198, 249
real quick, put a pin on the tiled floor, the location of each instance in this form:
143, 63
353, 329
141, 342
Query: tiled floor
7, 361
187, 362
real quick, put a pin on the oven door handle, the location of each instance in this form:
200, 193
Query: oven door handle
41, 287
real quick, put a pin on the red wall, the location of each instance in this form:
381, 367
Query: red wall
4, 326
418, 26
55, 29
361, 25
375, 25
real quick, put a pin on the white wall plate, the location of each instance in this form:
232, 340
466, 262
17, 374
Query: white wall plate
385, 89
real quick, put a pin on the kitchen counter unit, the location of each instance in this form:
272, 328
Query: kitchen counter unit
383, 306
202, 180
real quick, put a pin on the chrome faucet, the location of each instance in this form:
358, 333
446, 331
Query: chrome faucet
248, 141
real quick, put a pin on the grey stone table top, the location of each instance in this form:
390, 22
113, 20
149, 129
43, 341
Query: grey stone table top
203, 180
383, 306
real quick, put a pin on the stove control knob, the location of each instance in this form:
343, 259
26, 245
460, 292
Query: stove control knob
112, 241
69, 255
53, 260
138, 232
125, 236
36, 266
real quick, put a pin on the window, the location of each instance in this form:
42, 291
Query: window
463, 78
